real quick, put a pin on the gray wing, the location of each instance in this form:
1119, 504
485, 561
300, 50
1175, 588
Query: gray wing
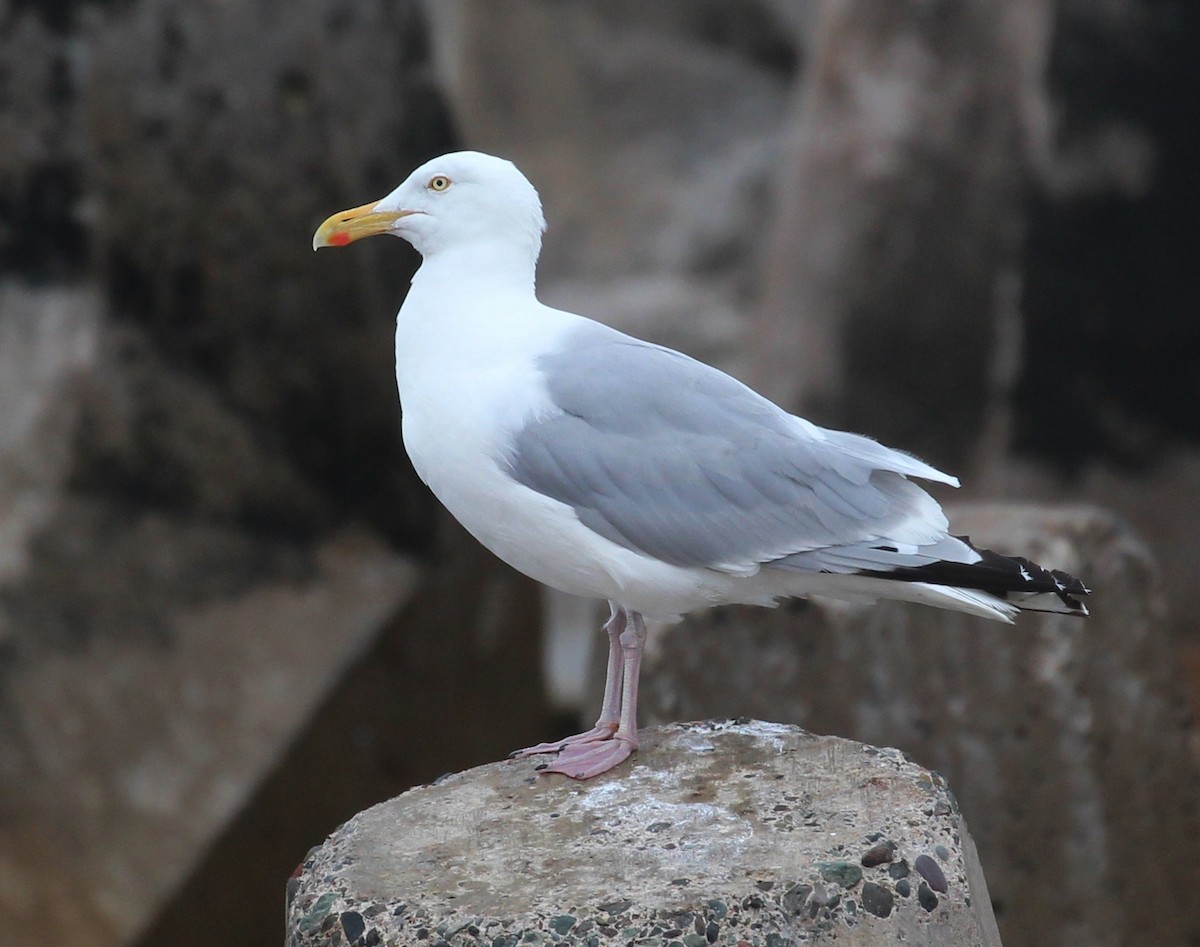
671, 457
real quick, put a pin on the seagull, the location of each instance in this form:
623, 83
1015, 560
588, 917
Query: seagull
609, 467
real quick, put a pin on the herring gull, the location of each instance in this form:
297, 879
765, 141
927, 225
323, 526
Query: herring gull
605, 466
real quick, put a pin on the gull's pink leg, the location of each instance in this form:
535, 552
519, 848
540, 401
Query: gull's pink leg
610, 711
585, 760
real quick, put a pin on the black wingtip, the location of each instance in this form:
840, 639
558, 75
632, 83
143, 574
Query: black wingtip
1015, 579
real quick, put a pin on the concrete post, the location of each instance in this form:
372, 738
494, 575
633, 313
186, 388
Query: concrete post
739, 833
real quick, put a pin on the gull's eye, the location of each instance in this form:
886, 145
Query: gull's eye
439, 182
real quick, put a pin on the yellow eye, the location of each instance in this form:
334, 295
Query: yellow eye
439, 182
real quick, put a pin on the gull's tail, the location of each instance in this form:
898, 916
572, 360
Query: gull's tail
1014, 580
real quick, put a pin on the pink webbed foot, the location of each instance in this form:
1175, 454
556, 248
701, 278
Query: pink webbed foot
614, 737
600, 733
585, 760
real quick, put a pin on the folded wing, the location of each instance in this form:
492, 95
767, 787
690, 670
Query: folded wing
668, 456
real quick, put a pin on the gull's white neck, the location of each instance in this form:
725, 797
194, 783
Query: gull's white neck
480, 265
471, 310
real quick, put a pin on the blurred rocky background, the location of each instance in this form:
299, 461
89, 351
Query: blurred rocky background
230, 615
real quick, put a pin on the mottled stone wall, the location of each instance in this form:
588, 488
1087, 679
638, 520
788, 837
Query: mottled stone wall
204, 499
891, 287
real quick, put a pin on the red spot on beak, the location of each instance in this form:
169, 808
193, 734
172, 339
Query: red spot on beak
339, 238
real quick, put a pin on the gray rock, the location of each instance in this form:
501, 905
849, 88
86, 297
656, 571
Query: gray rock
1067, 741
852, 325
123, 759
717, 832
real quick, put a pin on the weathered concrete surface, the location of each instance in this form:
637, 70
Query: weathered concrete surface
1068, 741
729, 833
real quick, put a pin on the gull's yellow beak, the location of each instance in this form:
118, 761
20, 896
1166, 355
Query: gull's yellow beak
346, 226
